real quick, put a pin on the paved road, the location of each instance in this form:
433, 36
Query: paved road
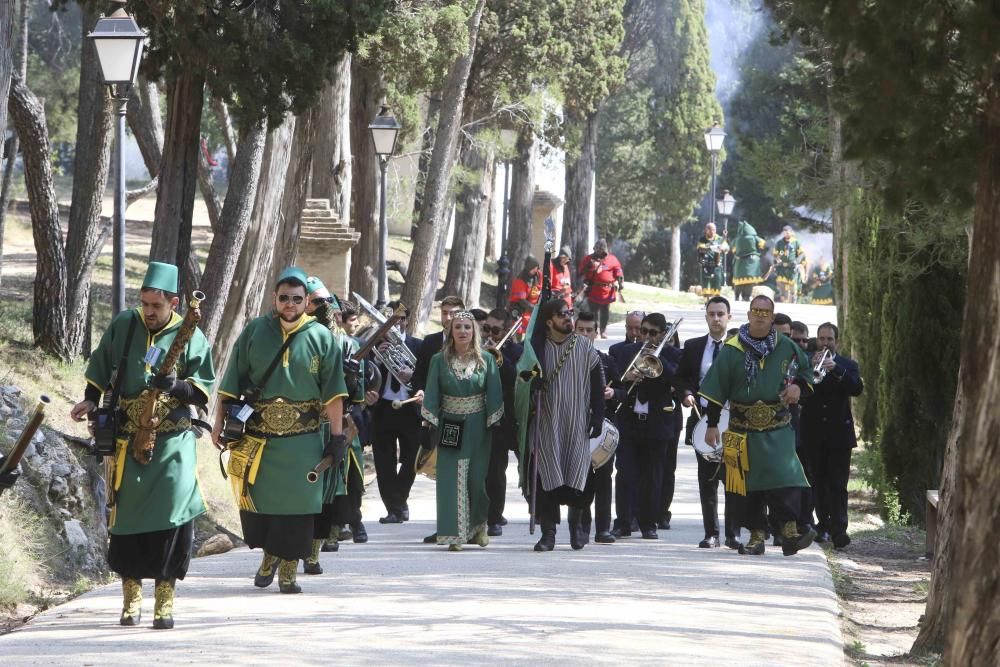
397, 601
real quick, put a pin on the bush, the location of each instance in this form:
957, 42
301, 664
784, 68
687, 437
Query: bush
20, 548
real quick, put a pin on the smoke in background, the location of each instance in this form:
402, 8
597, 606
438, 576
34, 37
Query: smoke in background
817, 245
732, 26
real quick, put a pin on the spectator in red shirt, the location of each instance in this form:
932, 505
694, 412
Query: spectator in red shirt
562, 276
603, 278
525, 291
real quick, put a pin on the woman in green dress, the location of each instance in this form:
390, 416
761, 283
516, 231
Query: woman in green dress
463, 400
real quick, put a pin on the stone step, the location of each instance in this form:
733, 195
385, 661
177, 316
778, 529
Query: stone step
318, 213
317, 203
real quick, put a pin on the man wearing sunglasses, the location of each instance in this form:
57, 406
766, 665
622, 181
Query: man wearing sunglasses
760, 373
284, 436
572, 411
646, 424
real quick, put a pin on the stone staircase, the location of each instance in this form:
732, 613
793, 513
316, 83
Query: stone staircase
320, 223
325, 244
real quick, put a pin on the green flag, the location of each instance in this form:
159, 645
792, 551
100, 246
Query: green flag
528, 368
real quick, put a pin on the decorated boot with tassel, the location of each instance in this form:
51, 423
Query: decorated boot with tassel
163, 610
286, 576
131, 602
755, 547
311, 565
265, 573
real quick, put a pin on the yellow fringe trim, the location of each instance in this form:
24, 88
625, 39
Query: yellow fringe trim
737, 460
755, 280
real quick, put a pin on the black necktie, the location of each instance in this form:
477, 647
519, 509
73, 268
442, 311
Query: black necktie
394, 383
715, 349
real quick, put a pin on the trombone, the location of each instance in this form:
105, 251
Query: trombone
495, 350
647, 360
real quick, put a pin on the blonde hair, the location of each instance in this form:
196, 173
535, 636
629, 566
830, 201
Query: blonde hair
476, 352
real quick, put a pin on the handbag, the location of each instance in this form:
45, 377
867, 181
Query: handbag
450, 433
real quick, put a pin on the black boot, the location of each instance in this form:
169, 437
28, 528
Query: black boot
548, 539
579, 535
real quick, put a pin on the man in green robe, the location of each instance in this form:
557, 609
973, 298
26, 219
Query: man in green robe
759, 373
284, 440
821, 284
344, 485
712, 250
747, 247
155, 503
789, 263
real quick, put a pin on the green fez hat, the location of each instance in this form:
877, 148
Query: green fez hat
161, 276
295, 275
314, 284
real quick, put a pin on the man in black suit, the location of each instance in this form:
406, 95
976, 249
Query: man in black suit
646, 426
696, 359
828, 435
395, 474
620, 355
505, 436
430, 346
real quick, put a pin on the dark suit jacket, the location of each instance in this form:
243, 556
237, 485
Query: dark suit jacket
416, 346
430, 346
826, 414
657, 392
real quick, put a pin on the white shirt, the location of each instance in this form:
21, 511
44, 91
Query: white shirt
641, 408
706, 362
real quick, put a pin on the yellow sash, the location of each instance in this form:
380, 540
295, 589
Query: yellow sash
244, 462
737, 459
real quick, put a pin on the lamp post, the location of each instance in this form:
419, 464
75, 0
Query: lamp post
507, 137
118, 41
725, 206
384, 130
714, 136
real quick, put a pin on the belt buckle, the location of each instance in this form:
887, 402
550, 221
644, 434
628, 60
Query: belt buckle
642, 416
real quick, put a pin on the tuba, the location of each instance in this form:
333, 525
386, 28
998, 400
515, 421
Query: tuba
496, 349
397, 358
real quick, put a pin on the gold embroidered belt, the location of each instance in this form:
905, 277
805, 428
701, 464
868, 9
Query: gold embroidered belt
173, 417
278, 417
759, 416
463, 405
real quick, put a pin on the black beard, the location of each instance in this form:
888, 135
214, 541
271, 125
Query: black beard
289, 319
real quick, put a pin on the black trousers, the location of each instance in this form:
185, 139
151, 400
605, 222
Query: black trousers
347, 508
709, 475
669, 477
159, 555
831, 469
808, 502
781, 505
287, 536
496, 475
602, 497
641, 470
394, 471
603, 313
547, 506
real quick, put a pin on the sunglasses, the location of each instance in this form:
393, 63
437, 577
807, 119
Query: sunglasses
294, 298
495, 331
801, 341
566, 313
761, 312
319, 301
646, 331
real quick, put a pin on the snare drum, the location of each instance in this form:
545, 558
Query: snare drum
603, 447
713, 454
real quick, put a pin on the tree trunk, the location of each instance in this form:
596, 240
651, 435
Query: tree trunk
86, 231
366, 90
207, 186
580, 186
331, 174
468, 246
49, 304
286, 246
675, 257
146, 123
226, 125
974, 637
493, 230
179, 169
522, 195
228, 240
420, 280
424, 162
20, 65
7, 21
253, 268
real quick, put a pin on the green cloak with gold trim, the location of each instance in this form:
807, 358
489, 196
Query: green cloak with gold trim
747, 247
164, 493
337, 478
308, 378
773, 462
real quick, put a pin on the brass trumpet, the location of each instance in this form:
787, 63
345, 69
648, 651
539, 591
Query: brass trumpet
818, 371
495, 350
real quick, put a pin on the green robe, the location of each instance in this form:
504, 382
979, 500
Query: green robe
711, 256
477, 402
163, 493
336, 481
788, 256
747, 247
773, 461
310, 372
822, 285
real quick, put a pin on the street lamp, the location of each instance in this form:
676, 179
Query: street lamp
118, 41
385, 130
508, 137
714, 136
725, 206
